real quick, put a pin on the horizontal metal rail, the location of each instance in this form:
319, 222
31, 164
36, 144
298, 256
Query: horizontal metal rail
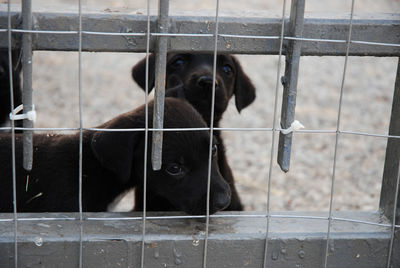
373, 35
113, 243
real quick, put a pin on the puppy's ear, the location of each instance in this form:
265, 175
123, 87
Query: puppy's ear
115, 151
139, 72
245, 92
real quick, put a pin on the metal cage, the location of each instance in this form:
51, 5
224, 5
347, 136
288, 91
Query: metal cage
246, 239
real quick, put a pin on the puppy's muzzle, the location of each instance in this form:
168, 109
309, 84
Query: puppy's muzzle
206, 82
221, 200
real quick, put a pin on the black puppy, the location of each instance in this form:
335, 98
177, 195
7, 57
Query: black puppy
113, 162
5, 100
190, 76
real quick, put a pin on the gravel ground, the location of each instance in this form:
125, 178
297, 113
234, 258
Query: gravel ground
108, 90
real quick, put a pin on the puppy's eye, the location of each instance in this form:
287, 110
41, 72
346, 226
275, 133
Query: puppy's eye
178, 62
227, 69
175, 170
214, 150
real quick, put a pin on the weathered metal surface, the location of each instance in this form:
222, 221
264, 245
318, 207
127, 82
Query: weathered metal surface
382, 28
27, 82
233, 241
159, 94
290, 82
391, 169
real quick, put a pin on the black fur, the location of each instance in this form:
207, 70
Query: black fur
113, 162
189, 76
5, 100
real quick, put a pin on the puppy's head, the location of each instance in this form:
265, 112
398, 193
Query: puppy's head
183, 177
194, 73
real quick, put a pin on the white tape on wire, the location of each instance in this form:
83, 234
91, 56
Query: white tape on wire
31, 115
296, 125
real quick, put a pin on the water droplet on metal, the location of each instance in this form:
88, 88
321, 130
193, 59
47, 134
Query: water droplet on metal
177, 254
178, 261
43, 225
331, 246
156, 253
275, 255
302, 254
38, 241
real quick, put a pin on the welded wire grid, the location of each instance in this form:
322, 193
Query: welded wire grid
338, 135
14, 179
274, 120
80, 32
211, 135
80, 134
145, 137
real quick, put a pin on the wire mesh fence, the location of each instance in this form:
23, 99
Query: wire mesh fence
356, 39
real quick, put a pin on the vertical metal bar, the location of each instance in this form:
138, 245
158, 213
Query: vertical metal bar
338, 135
146, 134
389, 201
278, 73
14, 176
80, 135
290, 82
159, 94
27, 78
394, 236
211, 135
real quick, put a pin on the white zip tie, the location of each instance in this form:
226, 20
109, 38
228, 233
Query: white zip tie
296, 125
31, 115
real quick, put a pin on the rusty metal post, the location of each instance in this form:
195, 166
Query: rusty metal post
27, 80
290, 82
159, 94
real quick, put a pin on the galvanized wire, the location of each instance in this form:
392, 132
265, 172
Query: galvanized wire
214, 216
80, 135
277, 129
146, 134
392, 234
267, 37
275, 119
338, 135
211, 135
14, 176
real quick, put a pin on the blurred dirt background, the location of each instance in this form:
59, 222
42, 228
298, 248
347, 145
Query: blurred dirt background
108, 90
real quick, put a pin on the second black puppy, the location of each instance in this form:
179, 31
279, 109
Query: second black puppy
113, 162
190, 76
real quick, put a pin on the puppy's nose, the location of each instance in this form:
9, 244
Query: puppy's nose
206, 81
221, 201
